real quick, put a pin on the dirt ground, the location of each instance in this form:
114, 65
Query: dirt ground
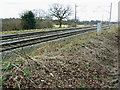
85, 61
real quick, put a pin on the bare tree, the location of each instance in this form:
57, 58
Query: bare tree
39, 14
60, 12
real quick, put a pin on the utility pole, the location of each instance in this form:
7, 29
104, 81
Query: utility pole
102, 20
75, 14
110, 14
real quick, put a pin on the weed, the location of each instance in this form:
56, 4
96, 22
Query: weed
67, 48
83, 44
2, 82
18, 61
4, 78
51, 80
87, 66
110, 64
89, 40
26, 72
96, 78
106, 30
103, 62
79, 87
5, 61
12, 73
8, 66
109, 79
85, 86
72, 43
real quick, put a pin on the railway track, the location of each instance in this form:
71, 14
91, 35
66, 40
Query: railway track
14, 41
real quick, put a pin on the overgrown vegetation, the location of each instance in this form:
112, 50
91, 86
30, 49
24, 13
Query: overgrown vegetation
12, 24
44, 24
85, 61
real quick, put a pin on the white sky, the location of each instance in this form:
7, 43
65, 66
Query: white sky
86, 10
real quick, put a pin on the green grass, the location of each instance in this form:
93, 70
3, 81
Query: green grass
103, 62
84, 86
32, 30
110, 64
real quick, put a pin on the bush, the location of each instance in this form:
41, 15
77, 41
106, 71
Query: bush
72, 25
28, 20
14, 24
44, 24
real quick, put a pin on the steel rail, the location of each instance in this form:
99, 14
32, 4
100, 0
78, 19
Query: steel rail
11, 36
41, 37
32, 41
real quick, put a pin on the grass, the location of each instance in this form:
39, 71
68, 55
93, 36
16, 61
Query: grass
32, 30
68, 44
35, 30
110, 64
84, 86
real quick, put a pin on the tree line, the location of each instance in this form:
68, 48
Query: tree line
38, 19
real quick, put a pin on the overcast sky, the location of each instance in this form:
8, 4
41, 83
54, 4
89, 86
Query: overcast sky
86, 9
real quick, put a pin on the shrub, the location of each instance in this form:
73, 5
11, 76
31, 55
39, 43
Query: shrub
28, 20
44, 24
14, 24
72, 25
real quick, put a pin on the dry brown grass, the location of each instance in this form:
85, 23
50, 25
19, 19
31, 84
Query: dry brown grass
88, 60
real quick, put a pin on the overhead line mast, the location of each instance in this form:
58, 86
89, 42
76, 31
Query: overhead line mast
75, 14
110, 14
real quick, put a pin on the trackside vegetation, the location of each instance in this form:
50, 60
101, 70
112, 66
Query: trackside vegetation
85, 61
